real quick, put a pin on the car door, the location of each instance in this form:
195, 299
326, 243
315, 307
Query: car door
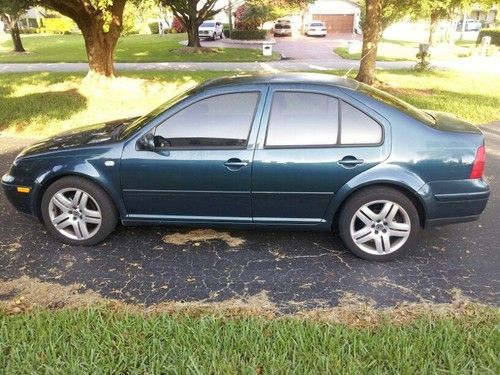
219, 28
202, 170
313, 140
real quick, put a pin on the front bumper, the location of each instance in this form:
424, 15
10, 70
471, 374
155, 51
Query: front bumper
22, 202
449, 202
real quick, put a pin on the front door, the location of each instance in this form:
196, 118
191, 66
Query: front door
203, 171
315, 142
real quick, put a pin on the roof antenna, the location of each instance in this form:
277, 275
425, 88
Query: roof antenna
352, 67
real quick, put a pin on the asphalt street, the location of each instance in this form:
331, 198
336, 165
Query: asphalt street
296, 269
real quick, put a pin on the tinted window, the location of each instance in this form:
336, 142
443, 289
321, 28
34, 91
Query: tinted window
358, 128
302, 119
207, 24
218, 121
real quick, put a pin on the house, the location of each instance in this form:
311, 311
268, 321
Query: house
340, 16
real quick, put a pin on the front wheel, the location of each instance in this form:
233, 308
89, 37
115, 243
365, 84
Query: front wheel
78, 212
379, 223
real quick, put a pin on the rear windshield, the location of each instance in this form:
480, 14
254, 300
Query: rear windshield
281, 26
391, 100
208, 24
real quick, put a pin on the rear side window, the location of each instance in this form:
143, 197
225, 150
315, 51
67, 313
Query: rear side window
214, 122
357, 127
302, 119
312, 119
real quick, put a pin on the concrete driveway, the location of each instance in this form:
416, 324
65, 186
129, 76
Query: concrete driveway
298, 46
297, 269
301, 47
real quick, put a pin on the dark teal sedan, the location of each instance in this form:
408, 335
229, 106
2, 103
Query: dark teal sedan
304, 151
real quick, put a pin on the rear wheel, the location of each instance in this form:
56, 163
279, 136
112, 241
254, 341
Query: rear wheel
379, 223
78, 212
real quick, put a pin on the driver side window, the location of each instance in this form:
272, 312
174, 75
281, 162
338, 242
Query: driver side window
218, 121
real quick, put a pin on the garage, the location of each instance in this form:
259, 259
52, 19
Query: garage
336, 23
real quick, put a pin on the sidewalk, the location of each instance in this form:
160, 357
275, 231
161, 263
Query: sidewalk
490, 65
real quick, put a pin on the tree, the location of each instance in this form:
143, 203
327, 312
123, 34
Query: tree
372, 29
10, 11
377, 16
192, 13
101, 23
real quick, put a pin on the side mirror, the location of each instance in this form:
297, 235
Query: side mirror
146, 142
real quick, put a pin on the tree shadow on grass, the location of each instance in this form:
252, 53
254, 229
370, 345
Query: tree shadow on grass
18, 112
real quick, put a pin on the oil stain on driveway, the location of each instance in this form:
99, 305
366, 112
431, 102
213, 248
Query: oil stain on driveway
296, 270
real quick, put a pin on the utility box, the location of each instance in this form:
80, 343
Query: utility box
267, 49
353, 46
485, 44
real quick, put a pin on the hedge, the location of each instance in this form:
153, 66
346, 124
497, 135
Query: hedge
60, 25
248, 34
494, 33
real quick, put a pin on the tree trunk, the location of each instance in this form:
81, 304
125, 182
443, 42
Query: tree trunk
193, 37
371, 35
432, 28
16, 37
100, 47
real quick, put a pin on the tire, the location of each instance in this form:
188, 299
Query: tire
214, 36
85, 222
387, 227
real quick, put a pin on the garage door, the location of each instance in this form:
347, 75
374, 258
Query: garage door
336, 23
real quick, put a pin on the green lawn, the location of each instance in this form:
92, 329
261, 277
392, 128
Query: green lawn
41, 104
397, 50
133, 48
108, 341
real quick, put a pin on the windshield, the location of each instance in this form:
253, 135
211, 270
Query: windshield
141, 121
207, 24
316, 24
391, 100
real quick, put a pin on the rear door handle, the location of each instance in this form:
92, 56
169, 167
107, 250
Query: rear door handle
235, 164
350, 161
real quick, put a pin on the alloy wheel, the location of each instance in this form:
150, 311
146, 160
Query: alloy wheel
380, 227
75, 214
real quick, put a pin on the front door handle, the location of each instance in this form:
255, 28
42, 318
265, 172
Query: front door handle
234, 164
350, 161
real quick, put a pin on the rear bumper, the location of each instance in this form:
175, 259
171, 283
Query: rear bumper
450, 202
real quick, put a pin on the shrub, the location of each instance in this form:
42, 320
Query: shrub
241, 22
153, 26
59, 25
248, 34
493, 33
178, 26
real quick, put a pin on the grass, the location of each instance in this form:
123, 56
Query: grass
133, 48
41, 104
103, 340
397, 50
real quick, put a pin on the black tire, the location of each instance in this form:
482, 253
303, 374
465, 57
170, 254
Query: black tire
109, 215
373, 194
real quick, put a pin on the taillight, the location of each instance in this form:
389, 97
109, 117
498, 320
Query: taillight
478, 165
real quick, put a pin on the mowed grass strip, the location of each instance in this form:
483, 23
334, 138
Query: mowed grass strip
132, 48
42, 104
103, 341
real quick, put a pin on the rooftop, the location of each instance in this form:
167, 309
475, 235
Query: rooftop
305, 78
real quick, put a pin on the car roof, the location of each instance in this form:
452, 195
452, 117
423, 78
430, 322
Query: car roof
291, 78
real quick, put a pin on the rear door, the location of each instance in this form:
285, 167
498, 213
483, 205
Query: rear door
312, 141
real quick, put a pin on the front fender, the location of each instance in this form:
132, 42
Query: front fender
102, 168
382, 174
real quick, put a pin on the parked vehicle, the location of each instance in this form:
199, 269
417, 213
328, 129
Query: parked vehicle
308, 151
315, 28
282, 29
470, 25
211, 29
